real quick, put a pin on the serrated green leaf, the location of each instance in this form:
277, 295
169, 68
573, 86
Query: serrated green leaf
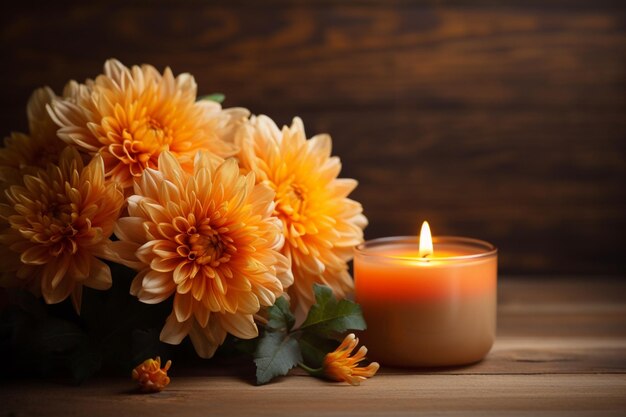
280, 317
216, 97
329, 316
276, 354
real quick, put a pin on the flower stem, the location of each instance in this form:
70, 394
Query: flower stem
261, 319
318, 372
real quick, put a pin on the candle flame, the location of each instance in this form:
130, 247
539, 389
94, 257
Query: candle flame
426, 241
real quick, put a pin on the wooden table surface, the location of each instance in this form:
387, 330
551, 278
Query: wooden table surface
560, 350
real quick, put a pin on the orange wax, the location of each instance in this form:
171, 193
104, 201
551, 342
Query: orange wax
438, 310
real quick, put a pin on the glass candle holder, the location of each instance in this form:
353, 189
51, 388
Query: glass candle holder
430, 311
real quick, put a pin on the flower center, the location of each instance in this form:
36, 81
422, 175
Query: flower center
205, 246
142, 143
207, 249
291, 200
158, 135
54, 224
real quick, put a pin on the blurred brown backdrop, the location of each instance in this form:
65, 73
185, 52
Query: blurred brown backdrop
501, 120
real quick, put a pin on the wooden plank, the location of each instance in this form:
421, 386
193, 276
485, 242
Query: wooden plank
525, 194
563, 325
553, 395
309, 49
562, 307
542, 355
583, 292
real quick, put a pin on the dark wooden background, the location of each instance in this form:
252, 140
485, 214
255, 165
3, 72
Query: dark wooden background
503, 120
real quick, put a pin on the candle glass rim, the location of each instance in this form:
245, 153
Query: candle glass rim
489, 248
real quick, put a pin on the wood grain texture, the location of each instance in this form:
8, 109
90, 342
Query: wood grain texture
534, 369
500, 120
385, 395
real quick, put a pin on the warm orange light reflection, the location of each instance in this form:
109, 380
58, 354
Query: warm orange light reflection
426, 241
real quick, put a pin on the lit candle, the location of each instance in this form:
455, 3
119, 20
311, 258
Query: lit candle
427, 302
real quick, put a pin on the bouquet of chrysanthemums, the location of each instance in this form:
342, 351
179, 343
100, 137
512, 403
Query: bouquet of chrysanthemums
162, 215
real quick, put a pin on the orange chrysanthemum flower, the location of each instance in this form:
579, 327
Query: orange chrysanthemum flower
24, 153
131, 115
339, 366
150, 375
320, 223
55, 223
209, 239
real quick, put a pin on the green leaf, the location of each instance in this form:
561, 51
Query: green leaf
246, 346
280, 317
145, 343
314, 349
27, 302
56, 335
216, 97
85, 361
276, 354
329, 316
113, 317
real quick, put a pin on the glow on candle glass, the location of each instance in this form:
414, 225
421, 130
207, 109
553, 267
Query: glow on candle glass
425, 308
426, 241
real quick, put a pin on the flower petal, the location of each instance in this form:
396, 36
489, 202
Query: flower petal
207, 339
36, 255
130, 229
183, 307
239, 325
99, 275
124, 253
174, 331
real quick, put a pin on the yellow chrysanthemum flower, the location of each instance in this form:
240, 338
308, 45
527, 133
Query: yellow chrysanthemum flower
23, 153
150, 376
321, 225
54, 224
131, 115
340, 366
209, 239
